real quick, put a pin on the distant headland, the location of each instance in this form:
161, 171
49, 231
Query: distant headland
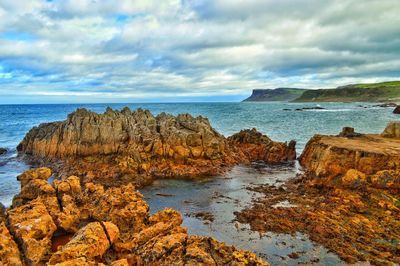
372, 92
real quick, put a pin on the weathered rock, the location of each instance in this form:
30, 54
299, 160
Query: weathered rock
258, 147
3, 151
392, 130
349, 132
387, 179
330, 156
9, 253
138, 133
125, 146
90, 242
33, 228
112, 226
354, 178
38, 173
396, 110
123, 206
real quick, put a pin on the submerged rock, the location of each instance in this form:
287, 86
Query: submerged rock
110, 226
125, 146
3, 151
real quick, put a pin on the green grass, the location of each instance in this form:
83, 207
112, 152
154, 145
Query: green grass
373, 92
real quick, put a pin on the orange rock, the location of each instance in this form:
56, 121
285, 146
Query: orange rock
90, 242
331, 157
39, 173
33, 228
9, 253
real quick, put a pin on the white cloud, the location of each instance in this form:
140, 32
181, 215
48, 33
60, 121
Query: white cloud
93, 48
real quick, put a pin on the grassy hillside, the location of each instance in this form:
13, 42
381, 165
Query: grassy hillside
279, 94
374, 92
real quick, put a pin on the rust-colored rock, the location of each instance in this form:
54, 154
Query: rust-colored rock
90, 242
392, 130
42, 173
33, 227
357, 225
9, 253
112, 226
258, 147
134, 146
331, 157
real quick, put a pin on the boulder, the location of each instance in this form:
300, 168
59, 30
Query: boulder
3, 151
396, 110
9, 252
90, 242
33, 227
387, 179
258, 147
333, 156
38, 173
354, 179
349, 132
392, 130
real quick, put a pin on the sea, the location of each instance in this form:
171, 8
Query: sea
219, 196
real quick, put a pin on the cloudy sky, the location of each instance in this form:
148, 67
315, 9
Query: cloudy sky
190, 50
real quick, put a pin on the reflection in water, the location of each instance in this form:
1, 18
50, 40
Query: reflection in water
221, 197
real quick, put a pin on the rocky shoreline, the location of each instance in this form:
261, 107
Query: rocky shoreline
348, 198
68, 223
135, 146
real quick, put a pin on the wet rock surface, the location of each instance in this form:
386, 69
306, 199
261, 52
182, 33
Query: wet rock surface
90, 224
358, 225
348, 199
3, 151
125, 146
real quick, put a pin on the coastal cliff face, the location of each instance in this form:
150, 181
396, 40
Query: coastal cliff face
278, 94
68, 223
137, 145
332, 157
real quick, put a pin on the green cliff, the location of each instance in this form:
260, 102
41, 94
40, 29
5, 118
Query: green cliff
279, 94
374, 92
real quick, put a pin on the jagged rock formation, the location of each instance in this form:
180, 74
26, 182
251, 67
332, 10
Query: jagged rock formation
332, 157
92, 225
278, 94
137, 145
258, 147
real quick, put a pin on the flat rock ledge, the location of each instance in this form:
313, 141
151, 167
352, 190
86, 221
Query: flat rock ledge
137, 146
355, 159
67, 223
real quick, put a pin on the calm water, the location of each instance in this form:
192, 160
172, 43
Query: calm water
192, 197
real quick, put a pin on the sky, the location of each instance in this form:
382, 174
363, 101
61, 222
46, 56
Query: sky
54, 51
